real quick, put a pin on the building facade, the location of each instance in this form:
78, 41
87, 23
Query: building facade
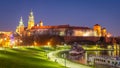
20, 27
61, 30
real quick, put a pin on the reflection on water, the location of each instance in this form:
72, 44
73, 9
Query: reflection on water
104, 52
113, 53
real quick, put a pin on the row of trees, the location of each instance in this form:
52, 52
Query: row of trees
42, 40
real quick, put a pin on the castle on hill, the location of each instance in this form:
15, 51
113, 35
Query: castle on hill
61, 30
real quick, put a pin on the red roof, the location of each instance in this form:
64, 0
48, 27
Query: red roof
59, 26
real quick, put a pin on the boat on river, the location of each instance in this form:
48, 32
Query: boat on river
76, 52
105, 60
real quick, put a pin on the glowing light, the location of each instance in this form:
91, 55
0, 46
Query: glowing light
1, 40
12, 41
48, 43
1, 48
5, 38
109, 35
78, 33
29, 33
94, 47
62, 33
86, 34
21, 41
35, 43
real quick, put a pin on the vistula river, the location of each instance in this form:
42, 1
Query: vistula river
110, 51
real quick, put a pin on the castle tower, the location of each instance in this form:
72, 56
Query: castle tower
97, 29
20, 27
104, 32
21, 22
41, 23
31, 20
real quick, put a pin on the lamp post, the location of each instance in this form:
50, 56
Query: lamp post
64, 55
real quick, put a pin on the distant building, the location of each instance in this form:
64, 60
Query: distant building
61, 30
20, 27
31, 21
5, 38
97, 29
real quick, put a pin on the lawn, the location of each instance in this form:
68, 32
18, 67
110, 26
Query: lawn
26, 57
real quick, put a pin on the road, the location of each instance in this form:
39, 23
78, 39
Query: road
52, 56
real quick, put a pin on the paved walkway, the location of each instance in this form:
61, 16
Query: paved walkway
52, 56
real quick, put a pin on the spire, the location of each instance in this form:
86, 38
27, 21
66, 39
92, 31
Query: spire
31, 17
21, 22
31, 20
31, 13
20, 27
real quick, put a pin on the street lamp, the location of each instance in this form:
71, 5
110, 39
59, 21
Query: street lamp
64, 55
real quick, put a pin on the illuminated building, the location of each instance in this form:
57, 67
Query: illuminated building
6, 33
31, 20
41, 23
61, 30
67, 30
5, 38
97, 29
20, 27
104, 32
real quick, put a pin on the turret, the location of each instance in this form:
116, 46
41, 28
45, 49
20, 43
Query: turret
21, 22
20, 27
97, 29
31, 20
104, 32
41, 23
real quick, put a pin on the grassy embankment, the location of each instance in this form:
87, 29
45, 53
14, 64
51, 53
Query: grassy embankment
26, 58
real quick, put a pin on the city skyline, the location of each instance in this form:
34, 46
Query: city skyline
58, 12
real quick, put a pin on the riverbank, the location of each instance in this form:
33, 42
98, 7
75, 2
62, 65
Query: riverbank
52, 56
26, 57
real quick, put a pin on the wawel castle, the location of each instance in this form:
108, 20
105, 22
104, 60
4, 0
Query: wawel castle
61, 30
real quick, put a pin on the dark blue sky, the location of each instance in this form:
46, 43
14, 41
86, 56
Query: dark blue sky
55, 12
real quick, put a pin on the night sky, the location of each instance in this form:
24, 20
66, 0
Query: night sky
59, 12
